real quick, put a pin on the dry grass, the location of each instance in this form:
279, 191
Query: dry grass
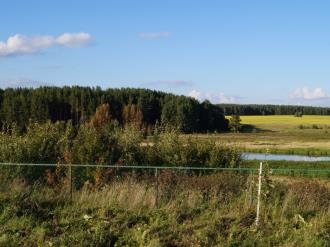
128, 194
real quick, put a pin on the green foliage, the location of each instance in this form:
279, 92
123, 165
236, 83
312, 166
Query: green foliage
39, 144
129, 142
261, 110
79, 104
107, 143
174, 149
181, 112
93, 146
235, 123
42, 143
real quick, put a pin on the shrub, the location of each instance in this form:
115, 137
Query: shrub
106, 144
129, 141
40, 144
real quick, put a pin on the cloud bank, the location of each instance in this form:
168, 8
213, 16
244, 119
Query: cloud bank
309, 94
214, 98
20, 44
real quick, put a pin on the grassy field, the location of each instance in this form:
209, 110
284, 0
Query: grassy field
308, 135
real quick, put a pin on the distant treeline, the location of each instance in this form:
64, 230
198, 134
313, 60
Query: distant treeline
230, 109
23, 105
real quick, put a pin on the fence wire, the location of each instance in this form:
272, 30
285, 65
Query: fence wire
280, 171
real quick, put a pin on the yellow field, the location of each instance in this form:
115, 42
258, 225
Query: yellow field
286, 120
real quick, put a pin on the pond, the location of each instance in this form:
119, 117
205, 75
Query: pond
287, 157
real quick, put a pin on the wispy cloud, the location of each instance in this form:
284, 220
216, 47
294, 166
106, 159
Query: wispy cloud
214, 98
155, 35
23, 83
169, 83
308, 94
20, 44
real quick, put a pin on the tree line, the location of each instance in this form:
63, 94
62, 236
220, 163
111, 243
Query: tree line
146, 108
254, 109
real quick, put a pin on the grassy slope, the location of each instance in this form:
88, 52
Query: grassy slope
215, 210
308, 135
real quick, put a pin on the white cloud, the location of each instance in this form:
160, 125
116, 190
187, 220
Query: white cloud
226, 98
21, 44
196, 95
308, 94
214, 98
73, 40
155, 35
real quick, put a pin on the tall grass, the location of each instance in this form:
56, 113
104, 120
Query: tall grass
193, 210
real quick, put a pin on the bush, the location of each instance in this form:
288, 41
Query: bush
107, 144
129, 141
174, 149
40, 144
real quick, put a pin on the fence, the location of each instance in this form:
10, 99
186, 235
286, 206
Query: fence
275, 171
206, 170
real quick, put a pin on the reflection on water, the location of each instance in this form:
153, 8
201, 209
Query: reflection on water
288, 157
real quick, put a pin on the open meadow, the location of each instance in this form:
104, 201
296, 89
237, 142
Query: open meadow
307, 135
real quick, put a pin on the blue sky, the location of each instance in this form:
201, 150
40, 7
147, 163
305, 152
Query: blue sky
226, 51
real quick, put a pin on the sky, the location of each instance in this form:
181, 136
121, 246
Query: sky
274, 51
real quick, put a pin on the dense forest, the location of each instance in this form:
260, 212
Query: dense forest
145, 107
253, 109
21, 106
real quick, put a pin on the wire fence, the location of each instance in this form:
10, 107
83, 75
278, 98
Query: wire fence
164, 179
78, 174
275, 171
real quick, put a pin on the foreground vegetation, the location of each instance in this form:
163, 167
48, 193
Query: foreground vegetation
186, 210
102, 140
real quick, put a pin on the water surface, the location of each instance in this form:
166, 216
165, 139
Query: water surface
287, 157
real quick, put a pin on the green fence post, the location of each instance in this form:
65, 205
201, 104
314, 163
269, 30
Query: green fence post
156, 176
250, 189
71, 189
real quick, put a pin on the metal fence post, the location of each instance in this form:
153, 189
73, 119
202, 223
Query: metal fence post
250, 193
71, 189
156, 175
259, 194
